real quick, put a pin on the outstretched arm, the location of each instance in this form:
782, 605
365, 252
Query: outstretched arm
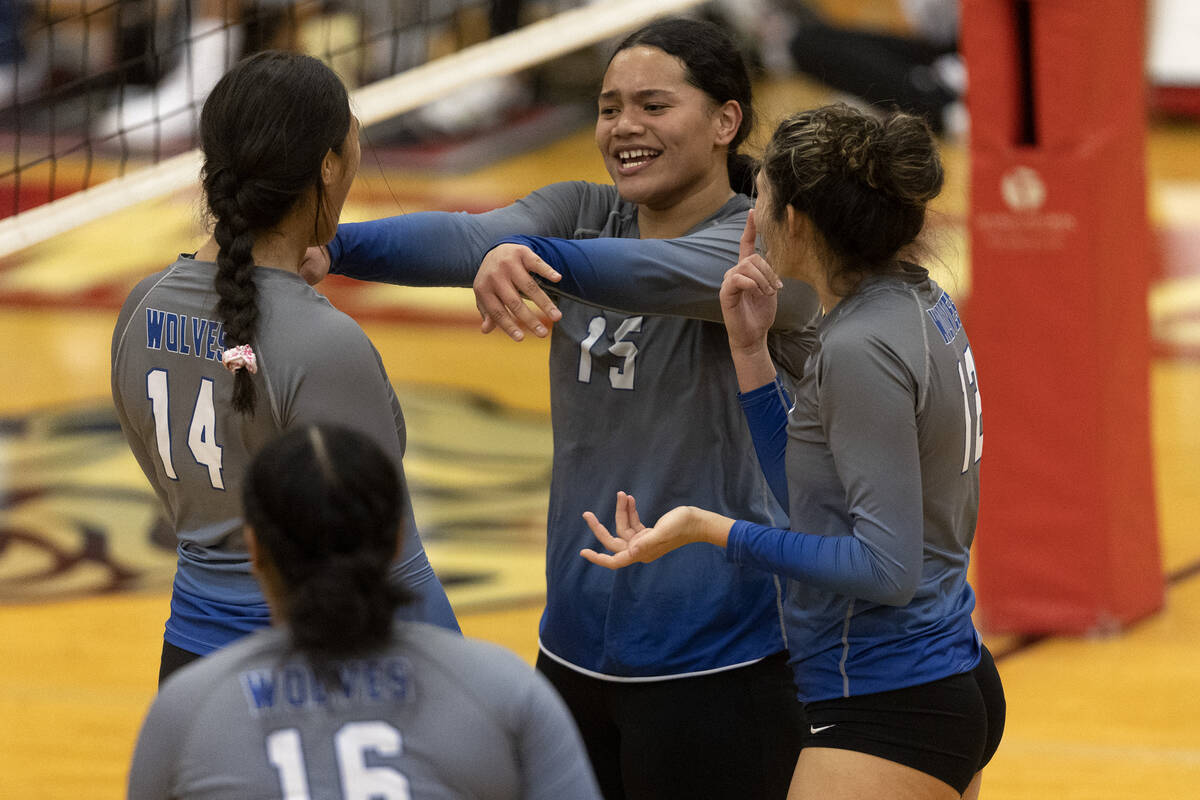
439, 248
848, 565
678, 277
875, 452
635, 543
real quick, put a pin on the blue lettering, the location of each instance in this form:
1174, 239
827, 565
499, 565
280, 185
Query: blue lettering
372, 675
259, 688
172, 332
199, 333
210, 345
348, 679
154, 328
397, 678
183, 347
945, 316
295, 687
318, 692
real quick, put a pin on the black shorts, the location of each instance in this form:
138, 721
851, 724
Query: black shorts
174, 659
949, 728
727, 735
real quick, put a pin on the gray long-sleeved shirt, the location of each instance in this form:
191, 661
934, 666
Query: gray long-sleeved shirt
172, 396
640, 401
434, 715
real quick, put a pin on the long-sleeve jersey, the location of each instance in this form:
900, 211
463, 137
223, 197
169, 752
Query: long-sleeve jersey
431, 715
173, 399
882, 457
640, 402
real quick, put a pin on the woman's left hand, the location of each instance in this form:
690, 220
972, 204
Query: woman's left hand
635, 543
749, 295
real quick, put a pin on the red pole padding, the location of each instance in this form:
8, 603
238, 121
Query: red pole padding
1061, 260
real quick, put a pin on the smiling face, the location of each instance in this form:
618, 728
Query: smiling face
663, 140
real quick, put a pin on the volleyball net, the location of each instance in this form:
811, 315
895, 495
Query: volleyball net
100, 99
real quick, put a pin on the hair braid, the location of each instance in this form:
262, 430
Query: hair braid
264, 130
237, 302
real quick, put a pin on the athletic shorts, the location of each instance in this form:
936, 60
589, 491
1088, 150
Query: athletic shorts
949, 728
729, 735
174, 659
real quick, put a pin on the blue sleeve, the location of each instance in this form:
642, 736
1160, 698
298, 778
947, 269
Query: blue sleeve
766, 410
678, 277
409, 250
441, 248
841, 564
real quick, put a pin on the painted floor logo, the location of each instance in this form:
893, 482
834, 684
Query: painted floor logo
78, 518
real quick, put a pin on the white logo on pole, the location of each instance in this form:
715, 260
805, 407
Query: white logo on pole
1023, 189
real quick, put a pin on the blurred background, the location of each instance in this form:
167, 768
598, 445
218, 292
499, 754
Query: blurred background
1069, 232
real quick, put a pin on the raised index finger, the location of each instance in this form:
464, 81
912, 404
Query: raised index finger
746, 245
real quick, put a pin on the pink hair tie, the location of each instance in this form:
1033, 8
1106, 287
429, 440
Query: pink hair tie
241, 356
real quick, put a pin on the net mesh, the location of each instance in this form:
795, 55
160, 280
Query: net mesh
100, 99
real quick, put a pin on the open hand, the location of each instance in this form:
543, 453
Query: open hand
634, 542
504, 282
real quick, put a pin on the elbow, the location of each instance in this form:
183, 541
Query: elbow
894, 590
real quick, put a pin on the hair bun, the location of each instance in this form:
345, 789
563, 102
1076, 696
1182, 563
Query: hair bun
910, 169
862, 179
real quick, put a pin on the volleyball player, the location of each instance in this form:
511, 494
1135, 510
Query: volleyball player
882, 448
280, 152
677, 678
339, 700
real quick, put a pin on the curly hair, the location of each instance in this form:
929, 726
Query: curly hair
863, 181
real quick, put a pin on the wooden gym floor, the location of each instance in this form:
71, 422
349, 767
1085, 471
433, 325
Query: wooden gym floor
85, 572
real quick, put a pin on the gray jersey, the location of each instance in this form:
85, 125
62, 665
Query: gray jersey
642, 401
884, 444
433, 715
172, 396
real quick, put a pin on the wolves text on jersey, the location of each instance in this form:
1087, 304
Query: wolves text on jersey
945, 316
294, 686
178, 333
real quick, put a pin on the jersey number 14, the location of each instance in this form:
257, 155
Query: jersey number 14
202, 430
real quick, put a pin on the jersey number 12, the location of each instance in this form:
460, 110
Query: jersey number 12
202, 431
973, 444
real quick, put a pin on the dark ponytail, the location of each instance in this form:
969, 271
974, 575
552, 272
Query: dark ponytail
714, 65
325, 506
264, 130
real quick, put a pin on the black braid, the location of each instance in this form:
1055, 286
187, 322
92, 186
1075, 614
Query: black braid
237, 302
264, 130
